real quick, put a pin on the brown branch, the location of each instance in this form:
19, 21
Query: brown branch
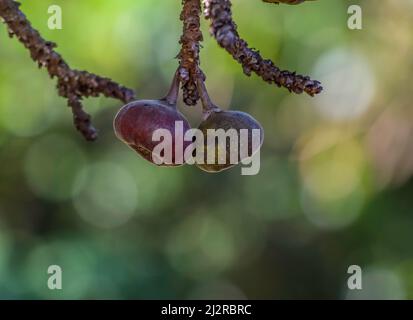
224, 29
189, 55
71, 84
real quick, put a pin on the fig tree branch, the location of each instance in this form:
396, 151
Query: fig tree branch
75, 84
71, 84
224, 29
189, 54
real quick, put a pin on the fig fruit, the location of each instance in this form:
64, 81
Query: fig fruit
136, 123
229, 136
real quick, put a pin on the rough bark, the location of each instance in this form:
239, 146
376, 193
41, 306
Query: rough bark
189, 55
224, 29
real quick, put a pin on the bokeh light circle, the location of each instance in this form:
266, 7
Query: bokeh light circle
201, 246
379, 284
108, 196
349, 84
332, 171
76, 261
26, 115
51, 164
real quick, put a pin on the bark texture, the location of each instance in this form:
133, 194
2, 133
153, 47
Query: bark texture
224, 29
189, 56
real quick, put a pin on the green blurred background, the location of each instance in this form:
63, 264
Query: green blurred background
334, 189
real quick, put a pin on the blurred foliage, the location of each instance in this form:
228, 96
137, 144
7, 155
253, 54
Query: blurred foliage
334, 187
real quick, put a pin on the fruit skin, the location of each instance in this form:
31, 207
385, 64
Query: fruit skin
136, 122
218, 119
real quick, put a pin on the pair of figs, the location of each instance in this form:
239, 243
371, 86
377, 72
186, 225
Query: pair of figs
136, 123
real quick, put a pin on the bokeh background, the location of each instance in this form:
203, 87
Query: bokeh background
334, 189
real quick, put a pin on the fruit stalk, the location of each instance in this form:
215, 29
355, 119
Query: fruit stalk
172, 96
207, 105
